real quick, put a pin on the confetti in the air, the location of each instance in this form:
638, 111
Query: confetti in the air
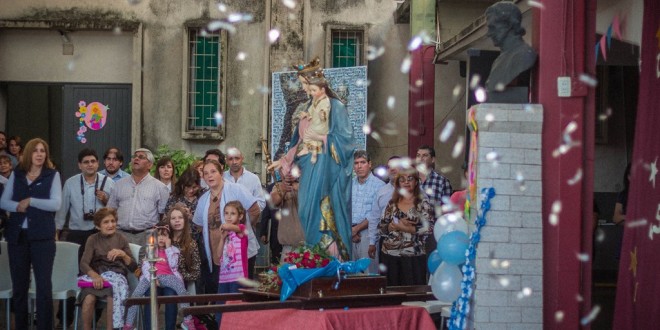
273, 35
576, 178
218, 118
289, 4
605, 115
217, 25
391, 102
382, 268
553, 219
536, 4
414, 43
447, 131
366, 129
480, 95
474, 82
636, 223
588, 80
493, 157
381, 172
248, 282
405, 65
584, 257
295, 172
374, 52
458, 147
458, 89
591, 316
520, 179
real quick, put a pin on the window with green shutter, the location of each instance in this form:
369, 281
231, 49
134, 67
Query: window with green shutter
205, 84
347, 48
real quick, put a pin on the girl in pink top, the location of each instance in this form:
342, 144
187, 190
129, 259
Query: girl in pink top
167, 272
232, 250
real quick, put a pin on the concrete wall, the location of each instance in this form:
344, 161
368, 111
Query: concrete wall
383, 72
36, 56
509, 265
450, 108
156, 67
453, 17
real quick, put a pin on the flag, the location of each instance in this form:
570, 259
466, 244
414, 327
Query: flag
638, 287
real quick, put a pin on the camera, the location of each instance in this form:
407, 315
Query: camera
89, 216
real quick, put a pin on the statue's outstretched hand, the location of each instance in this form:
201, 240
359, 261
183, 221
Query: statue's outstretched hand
276, 165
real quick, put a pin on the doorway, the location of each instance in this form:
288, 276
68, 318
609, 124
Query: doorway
53, 112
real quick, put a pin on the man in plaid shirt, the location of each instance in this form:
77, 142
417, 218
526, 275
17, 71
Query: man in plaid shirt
436, 187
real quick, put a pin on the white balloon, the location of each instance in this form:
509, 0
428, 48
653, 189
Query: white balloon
449, 222
446, 283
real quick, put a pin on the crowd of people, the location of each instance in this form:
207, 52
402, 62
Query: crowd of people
202, 223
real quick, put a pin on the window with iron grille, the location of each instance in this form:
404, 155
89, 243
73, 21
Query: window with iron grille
347, 47
205, 101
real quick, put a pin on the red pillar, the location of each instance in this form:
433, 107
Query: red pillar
421, 99
564, 35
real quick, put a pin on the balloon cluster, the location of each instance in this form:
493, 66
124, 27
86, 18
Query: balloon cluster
450, 231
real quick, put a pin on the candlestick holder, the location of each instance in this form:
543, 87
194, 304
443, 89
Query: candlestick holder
153, 297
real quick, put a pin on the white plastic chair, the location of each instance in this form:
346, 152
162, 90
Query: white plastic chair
132, 283
5, 280
134, 280
65, 275
135, 253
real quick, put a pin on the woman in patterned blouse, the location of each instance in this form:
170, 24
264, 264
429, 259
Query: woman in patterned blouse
179, 220
404, 226
186, 192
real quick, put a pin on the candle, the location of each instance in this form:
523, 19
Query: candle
150, 248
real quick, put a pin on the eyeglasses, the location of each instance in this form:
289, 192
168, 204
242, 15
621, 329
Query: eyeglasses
409, 178
140, 156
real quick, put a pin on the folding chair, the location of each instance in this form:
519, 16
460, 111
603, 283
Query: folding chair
5, 280
65, 275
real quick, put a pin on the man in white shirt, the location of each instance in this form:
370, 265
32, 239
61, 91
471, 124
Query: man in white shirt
139, 199
238, 174
364, 189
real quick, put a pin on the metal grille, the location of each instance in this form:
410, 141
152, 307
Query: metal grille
204, 87
347, 48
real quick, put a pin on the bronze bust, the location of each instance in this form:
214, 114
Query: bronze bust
505, 30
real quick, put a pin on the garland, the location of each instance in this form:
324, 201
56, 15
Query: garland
461, 307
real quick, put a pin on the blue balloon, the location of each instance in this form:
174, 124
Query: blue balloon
452, 246
434, 261
446, 283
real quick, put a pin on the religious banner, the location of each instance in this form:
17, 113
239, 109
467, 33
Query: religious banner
350, 84
638, 287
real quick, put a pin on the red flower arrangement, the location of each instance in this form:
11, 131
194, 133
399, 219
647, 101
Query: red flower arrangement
301, 257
